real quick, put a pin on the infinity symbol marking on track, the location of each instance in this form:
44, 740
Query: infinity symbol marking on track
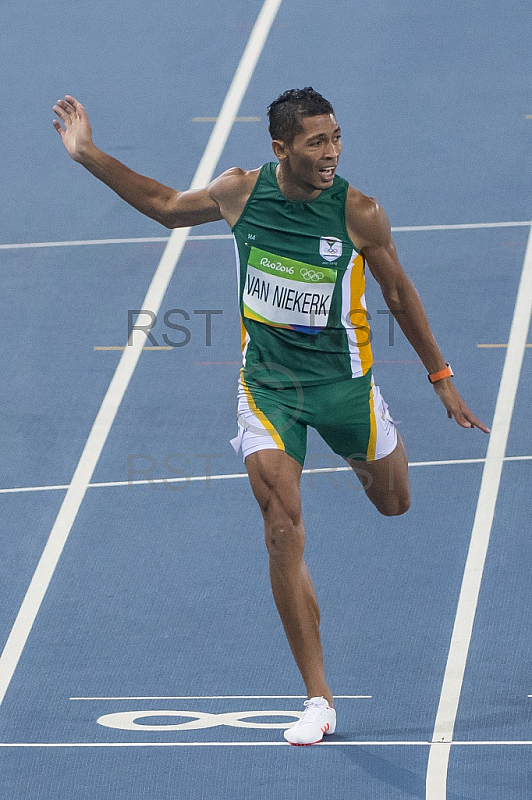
127, 720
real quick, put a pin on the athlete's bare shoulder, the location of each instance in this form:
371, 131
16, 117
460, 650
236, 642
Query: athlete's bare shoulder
367, 222
231, 191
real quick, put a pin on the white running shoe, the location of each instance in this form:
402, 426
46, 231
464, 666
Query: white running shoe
318, 719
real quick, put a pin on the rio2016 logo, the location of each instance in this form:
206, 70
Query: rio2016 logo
265, 262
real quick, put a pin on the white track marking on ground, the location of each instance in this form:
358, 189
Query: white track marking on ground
467, 226
237, 119
154, 239
493, 346
231, 697
120, 381
84, 243
258, 744
436, 785
235, 475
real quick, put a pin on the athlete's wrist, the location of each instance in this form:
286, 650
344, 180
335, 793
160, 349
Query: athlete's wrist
441, 374
88, 155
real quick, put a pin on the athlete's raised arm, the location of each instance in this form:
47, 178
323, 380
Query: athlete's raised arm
171, 208
369, 227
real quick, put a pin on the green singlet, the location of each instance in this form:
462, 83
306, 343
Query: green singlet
301, 289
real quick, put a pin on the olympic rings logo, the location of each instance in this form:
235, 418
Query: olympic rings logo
127, 720
311, 275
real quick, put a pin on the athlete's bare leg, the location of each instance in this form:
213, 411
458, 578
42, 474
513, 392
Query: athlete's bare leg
386, 481
275, 479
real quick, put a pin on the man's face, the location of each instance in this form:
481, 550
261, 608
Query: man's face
313, 155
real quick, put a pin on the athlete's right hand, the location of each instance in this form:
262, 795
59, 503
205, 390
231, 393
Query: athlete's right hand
77, 133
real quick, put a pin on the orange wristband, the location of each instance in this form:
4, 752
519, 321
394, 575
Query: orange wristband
443, 373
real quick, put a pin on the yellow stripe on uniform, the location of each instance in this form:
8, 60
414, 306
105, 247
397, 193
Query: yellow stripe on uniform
261, 416
372, 444
357, 286
243, 335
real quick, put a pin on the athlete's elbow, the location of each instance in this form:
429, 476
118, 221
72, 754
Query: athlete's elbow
394, 300
168, 218
173, 223
170, 223
397, 295
164, 219
167, 211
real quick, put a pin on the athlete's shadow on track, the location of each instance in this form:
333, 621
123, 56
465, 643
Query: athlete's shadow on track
409, 782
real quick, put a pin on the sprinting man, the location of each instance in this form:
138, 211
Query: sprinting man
303, 236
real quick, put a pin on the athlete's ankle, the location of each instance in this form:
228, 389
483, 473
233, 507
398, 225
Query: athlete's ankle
323, 693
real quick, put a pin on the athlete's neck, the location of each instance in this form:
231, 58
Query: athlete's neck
293, 188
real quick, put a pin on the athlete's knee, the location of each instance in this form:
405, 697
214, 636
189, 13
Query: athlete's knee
280, 509
394, 505
285, 538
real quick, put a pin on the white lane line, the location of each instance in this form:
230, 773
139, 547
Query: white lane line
151, 239
236, 475
468, 226
259, 744
436, 786
231, 697
91, 242
237, 119
196, 744
496, 346
128, 361
84, 243
207, 236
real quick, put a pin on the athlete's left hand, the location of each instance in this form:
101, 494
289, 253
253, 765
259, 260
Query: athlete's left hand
456, 407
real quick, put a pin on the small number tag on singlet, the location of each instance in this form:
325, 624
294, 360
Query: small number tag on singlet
286, 293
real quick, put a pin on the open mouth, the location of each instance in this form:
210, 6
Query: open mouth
327, 172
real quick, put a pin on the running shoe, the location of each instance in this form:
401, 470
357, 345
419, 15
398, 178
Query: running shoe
318, 719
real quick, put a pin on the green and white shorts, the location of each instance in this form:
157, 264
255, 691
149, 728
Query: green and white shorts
351, 416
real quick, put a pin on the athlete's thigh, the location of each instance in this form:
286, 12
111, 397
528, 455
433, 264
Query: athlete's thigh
270, 419
275, 481
353, 418
385, 481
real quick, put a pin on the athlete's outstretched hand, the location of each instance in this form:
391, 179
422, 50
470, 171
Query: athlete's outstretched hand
77, 133
456, 407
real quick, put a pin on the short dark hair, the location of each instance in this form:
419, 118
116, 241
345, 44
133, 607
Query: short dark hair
286, 112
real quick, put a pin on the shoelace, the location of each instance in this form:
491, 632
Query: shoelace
312, 711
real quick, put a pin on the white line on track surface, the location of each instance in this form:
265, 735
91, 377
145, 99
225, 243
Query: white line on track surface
120, 381
231, 697
260, 744
155, 239
235, 475
436, 785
